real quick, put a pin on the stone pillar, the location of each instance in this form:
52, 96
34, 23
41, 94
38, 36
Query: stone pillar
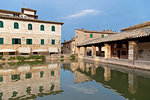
133, 50
93, 51
84, 52
107, 50
107, 74
78, 51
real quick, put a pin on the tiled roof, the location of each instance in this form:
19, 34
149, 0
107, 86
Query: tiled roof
101, 32
137, 26
120, 36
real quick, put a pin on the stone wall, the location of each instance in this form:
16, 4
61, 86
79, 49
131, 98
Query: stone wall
144, 51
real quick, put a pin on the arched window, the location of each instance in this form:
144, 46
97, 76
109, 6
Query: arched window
1, 24
53, 28
29, 26
42, 27
16, 25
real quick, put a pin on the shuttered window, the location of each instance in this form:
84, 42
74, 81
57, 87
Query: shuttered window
53, 28
42, 41
91, 35
28, 41
42, 27
29, 26
16, 25
52, 73
53, 41
15, 77
41, 74
1, 24
52, 87
1, 41
16, 41
102, 35
28, 75
1, 78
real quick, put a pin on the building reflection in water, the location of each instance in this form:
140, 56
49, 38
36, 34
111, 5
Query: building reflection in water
122, 80
26, 82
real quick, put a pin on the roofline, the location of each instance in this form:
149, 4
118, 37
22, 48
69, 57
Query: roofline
31, 20
9, 11
67, 41
28, 9
90, 31
137, 26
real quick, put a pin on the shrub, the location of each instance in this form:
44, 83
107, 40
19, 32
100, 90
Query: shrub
61, 56
73, 57
20, 58
12, 58
1, 56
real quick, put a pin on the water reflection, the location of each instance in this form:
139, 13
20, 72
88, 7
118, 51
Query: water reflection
129, 83
28, 82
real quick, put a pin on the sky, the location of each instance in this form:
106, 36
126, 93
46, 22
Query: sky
95, 15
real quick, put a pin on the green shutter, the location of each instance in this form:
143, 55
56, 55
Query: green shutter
53, 41
27, 41
1, 78
1, 24
52, 87
29, 26
13, 41
31, 41
53, 28
91, 35
1, 40
102, 35
42, 27
42, 41
41, 74
52, 73
19, 41
16, 26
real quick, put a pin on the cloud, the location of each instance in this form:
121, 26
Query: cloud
83, 13
85, 90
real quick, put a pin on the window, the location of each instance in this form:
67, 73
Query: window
42, 41
14, 94
102, 35
41, 74
29, 26
1, 40
52, 73
41, 89
28, 75
16, 41
28, 41
1, 24
91, 35
124, 53
52, 87
1, 78
15, 77
28, 90
16, 25
53, 41
53, 28
42, 27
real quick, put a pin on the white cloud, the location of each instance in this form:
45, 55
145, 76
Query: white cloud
83, 13
85, 90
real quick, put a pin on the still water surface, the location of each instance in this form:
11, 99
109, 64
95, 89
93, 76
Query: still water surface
72, 81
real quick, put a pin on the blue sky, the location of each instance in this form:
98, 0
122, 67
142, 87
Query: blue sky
88, 14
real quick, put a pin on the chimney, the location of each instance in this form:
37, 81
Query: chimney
103, 30
72, 38
111, 30
64, 40
82, 29
107, 30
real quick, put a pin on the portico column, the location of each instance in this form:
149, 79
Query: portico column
93, 51
84, 52
78, 51
133, 50
107, 50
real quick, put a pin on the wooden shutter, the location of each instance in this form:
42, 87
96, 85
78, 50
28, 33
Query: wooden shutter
13, 41
19, 41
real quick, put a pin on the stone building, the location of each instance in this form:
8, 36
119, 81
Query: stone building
69, 46
130, 47
82, 36
23, 33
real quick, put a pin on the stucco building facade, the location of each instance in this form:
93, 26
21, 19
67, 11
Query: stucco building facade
23, 33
